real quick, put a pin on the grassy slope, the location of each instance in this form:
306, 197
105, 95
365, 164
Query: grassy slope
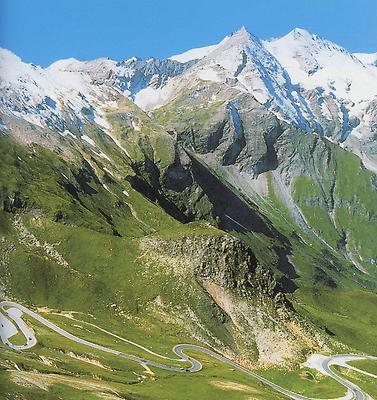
93, 290
366, 365
107, 272
104, 271
368, 384
355, 206
348, 313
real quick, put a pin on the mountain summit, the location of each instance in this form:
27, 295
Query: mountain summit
301, 78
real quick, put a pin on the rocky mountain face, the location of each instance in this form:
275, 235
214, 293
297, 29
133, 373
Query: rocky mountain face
246, 298
233, 185
70, 93
304, 80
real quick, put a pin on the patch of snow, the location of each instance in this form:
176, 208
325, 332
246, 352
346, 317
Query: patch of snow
312, 62
2, 124
235, 118
33, 119
325, 111
103, 155
108, 171
135, 126
68, 133
65, 65
209, 75
117, 142
367, 58
193, 54
101, 121
88, 140
149, 98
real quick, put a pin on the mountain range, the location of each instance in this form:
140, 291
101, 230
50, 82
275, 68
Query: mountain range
225, 196
303, 79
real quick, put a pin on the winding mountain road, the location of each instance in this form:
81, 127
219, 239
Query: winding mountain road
11, 322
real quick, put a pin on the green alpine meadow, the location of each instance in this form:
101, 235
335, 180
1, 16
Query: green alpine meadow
200, 226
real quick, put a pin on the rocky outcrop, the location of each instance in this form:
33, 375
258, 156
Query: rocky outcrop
225, 260
30, 241
248, 303
235, 132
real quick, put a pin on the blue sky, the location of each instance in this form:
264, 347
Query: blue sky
41, 31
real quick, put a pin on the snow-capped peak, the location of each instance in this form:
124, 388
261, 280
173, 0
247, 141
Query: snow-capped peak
12, 67
312, 62
201, 52
301, 77
303, 53
235, 50
70, 93
65, 64
242, 61
8, 56
240, 38
241, 58
300, 34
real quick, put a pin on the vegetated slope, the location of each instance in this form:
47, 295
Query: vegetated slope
299, 201
76, 242
78, 237
214, 218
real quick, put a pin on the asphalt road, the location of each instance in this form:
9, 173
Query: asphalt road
13, 312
